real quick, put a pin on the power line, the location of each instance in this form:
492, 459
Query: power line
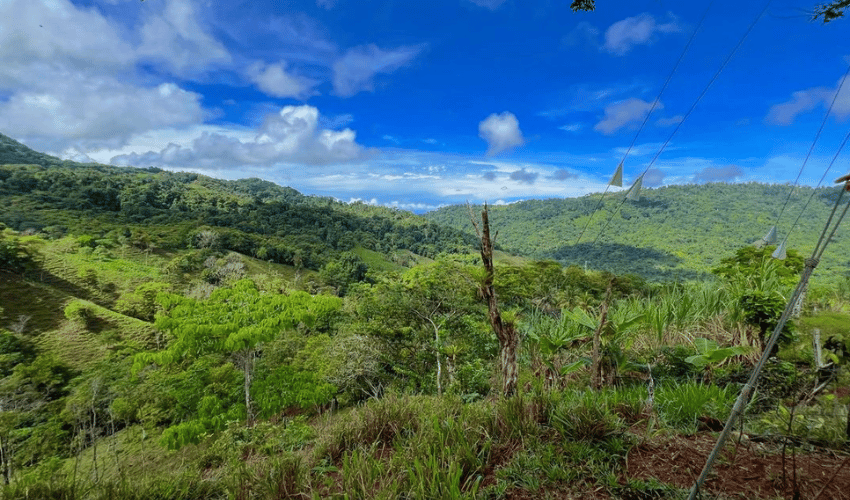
651, 109
812, 147
811, 197
749, 387
693, 106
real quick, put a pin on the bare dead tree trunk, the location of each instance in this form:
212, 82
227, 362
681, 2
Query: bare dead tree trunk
596, 379
505, 330
439, 361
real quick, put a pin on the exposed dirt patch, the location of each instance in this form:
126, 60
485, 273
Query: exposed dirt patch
752, 470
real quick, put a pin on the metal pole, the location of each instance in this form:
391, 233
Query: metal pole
749, 387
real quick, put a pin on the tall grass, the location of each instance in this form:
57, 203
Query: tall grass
681, 405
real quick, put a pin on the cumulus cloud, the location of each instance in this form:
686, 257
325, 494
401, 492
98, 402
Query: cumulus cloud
63, 90
176, 38
274, 80
562, 175
653, 177
490, 176
718, 174
804, 101
291, 136
35, 38
524, 176
488, 4
94, 113
623, 35
501, 131
622, 113
355, 71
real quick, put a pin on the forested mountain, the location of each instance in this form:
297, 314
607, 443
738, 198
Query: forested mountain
13, 152
168, 210
674, 232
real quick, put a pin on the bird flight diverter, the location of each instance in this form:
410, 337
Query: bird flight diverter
634, 191
779, 253
617, 180
769, 238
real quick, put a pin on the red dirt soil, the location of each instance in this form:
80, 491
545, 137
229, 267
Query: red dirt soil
751, 470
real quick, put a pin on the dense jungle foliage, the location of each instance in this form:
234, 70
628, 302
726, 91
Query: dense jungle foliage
158, 209
673, 233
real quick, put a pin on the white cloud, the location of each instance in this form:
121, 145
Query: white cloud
326, 4
653, 177
501, 131
488, 4
356, 70
673, 120
622, 113
176, 38
93, 113
621, 36
46, 36
807, 100
76, 155
68, 79
571, 127
274, 80
291, 136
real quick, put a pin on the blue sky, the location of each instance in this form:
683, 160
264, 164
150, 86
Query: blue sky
417, 104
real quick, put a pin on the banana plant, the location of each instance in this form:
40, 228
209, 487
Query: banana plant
710, 353
615, 337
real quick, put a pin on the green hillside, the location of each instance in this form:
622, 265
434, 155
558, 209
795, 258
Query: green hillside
675, 232
152, 209
169, 335
13, 152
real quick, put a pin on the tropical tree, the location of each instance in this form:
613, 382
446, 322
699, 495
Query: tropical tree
234, 322
437, 294
420, 317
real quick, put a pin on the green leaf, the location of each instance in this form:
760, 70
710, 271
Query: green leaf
571, 367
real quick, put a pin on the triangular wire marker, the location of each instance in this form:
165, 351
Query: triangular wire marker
617, 180
769, 238
779, 253
634, 191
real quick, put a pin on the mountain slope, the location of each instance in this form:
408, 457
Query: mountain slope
13, 152
170, 210
672, 232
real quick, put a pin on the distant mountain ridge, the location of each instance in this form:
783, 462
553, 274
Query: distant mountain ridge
169, 209
674, 232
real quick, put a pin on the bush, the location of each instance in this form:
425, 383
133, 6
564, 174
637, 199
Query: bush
78, 311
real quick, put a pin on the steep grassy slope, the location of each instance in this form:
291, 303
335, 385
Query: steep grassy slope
673, 232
